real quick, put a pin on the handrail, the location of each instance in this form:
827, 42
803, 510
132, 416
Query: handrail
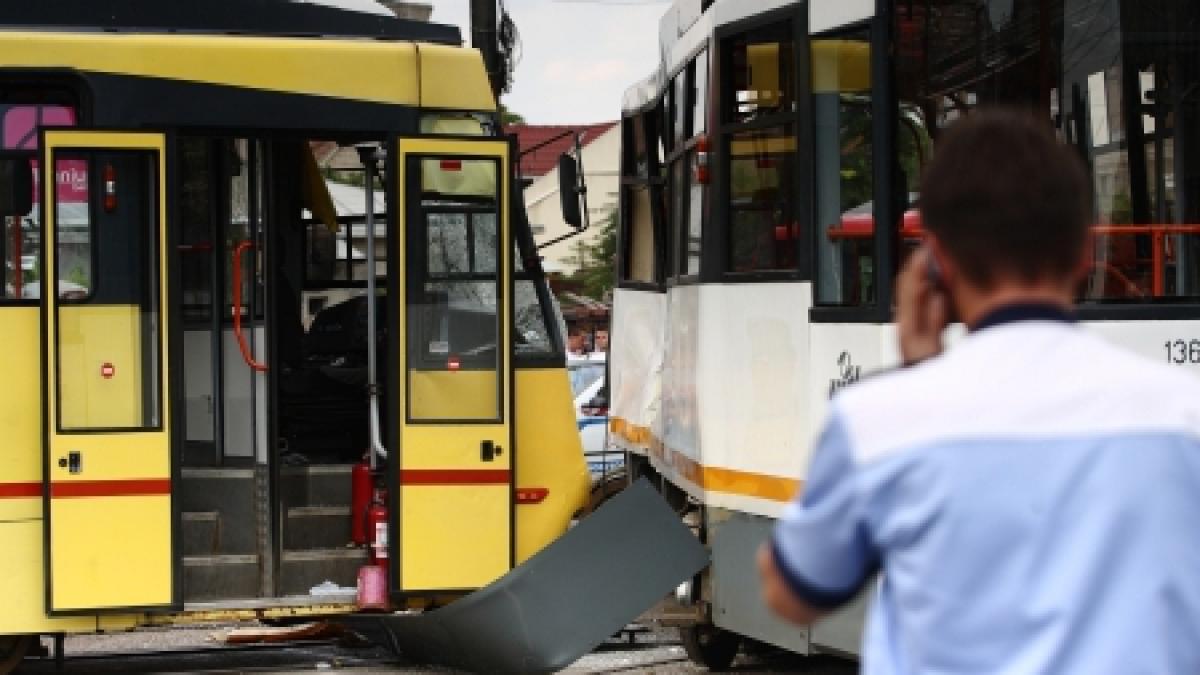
237, 307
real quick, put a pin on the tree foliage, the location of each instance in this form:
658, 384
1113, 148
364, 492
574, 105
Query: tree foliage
596, 258
508, 117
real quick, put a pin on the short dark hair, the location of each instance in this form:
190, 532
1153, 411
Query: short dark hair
1006, 199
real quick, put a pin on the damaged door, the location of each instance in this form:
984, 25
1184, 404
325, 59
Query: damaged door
455, 479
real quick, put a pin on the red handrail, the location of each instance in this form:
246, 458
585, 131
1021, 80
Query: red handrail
237, 307
18, 268
862, 226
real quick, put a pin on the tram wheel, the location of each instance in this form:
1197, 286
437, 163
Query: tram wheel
13, 649
709, 646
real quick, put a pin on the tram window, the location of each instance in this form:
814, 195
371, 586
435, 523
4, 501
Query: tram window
457, 124
679, 195
680, 106
638, 226
845, 260
453, 312
241, 168
635, 161
697, 197
637, 219
764, 231
700, 102
533, 336
118, 322
21, 123
196, 227
762, 74
21, 245
758, 97
1117, 82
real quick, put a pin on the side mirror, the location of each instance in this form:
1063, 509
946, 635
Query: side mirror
568, 190
16, 186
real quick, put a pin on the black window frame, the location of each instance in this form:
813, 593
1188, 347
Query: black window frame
418, 275
41, 89
885, 107
720, 242
163, 297
653, 181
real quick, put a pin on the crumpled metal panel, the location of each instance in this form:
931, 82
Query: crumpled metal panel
564, 601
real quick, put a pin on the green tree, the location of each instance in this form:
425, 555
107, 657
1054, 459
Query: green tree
508, 117
598, 259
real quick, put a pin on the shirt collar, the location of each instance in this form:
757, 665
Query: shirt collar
1023, 311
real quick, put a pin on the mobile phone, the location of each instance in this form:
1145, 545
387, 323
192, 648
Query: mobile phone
933, 273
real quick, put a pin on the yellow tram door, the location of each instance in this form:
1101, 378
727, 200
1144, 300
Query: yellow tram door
455, 479
109, 523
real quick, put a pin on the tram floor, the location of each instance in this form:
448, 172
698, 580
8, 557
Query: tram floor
197, 649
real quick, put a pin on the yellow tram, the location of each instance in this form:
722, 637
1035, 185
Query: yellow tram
186, 381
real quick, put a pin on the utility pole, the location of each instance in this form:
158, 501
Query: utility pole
484, 37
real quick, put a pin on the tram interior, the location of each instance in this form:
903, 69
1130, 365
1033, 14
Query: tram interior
1117, 79
273, 274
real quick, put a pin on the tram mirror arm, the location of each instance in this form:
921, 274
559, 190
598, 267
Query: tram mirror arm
572, 190
16, 186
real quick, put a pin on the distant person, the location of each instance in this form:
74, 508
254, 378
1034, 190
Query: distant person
575, 345
601, 340
1031, 495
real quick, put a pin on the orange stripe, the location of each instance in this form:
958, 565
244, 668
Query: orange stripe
713, 478
110, 488
455, 477
20, 490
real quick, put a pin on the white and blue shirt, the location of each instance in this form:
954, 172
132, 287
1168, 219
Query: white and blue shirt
1032, 498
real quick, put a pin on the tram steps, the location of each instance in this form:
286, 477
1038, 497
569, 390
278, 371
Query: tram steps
315, 485
219, 533
219, 512
316, 527
219, 577
301, 570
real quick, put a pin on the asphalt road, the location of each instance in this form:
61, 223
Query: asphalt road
201, 650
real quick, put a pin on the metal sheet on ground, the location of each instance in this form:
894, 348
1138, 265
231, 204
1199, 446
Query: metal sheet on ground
567, 599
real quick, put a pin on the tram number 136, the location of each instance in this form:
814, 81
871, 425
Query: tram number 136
1182, 351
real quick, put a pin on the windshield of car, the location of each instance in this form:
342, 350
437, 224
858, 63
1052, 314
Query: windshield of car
584, 375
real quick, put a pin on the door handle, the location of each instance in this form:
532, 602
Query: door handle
73, 462
488, 451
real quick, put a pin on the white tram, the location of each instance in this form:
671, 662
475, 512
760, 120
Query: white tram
753, 282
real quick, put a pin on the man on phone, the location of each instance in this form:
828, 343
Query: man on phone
1030, 497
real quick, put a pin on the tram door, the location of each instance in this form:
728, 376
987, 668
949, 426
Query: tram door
109, 524
456, 451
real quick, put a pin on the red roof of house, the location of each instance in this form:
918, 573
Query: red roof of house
539, 162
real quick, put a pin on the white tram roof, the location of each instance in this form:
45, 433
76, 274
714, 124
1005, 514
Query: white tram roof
684, 28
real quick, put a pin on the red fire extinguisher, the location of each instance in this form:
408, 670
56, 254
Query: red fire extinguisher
361, 485
377, 525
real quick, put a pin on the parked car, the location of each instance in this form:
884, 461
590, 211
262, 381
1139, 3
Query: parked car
588, 386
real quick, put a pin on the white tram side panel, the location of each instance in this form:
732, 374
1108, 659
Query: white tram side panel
755, 419
635, 367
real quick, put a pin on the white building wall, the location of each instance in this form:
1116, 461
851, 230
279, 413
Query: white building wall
601, 165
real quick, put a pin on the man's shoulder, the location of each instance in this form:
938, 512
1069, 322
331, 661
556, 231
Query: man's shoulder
1075, 384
